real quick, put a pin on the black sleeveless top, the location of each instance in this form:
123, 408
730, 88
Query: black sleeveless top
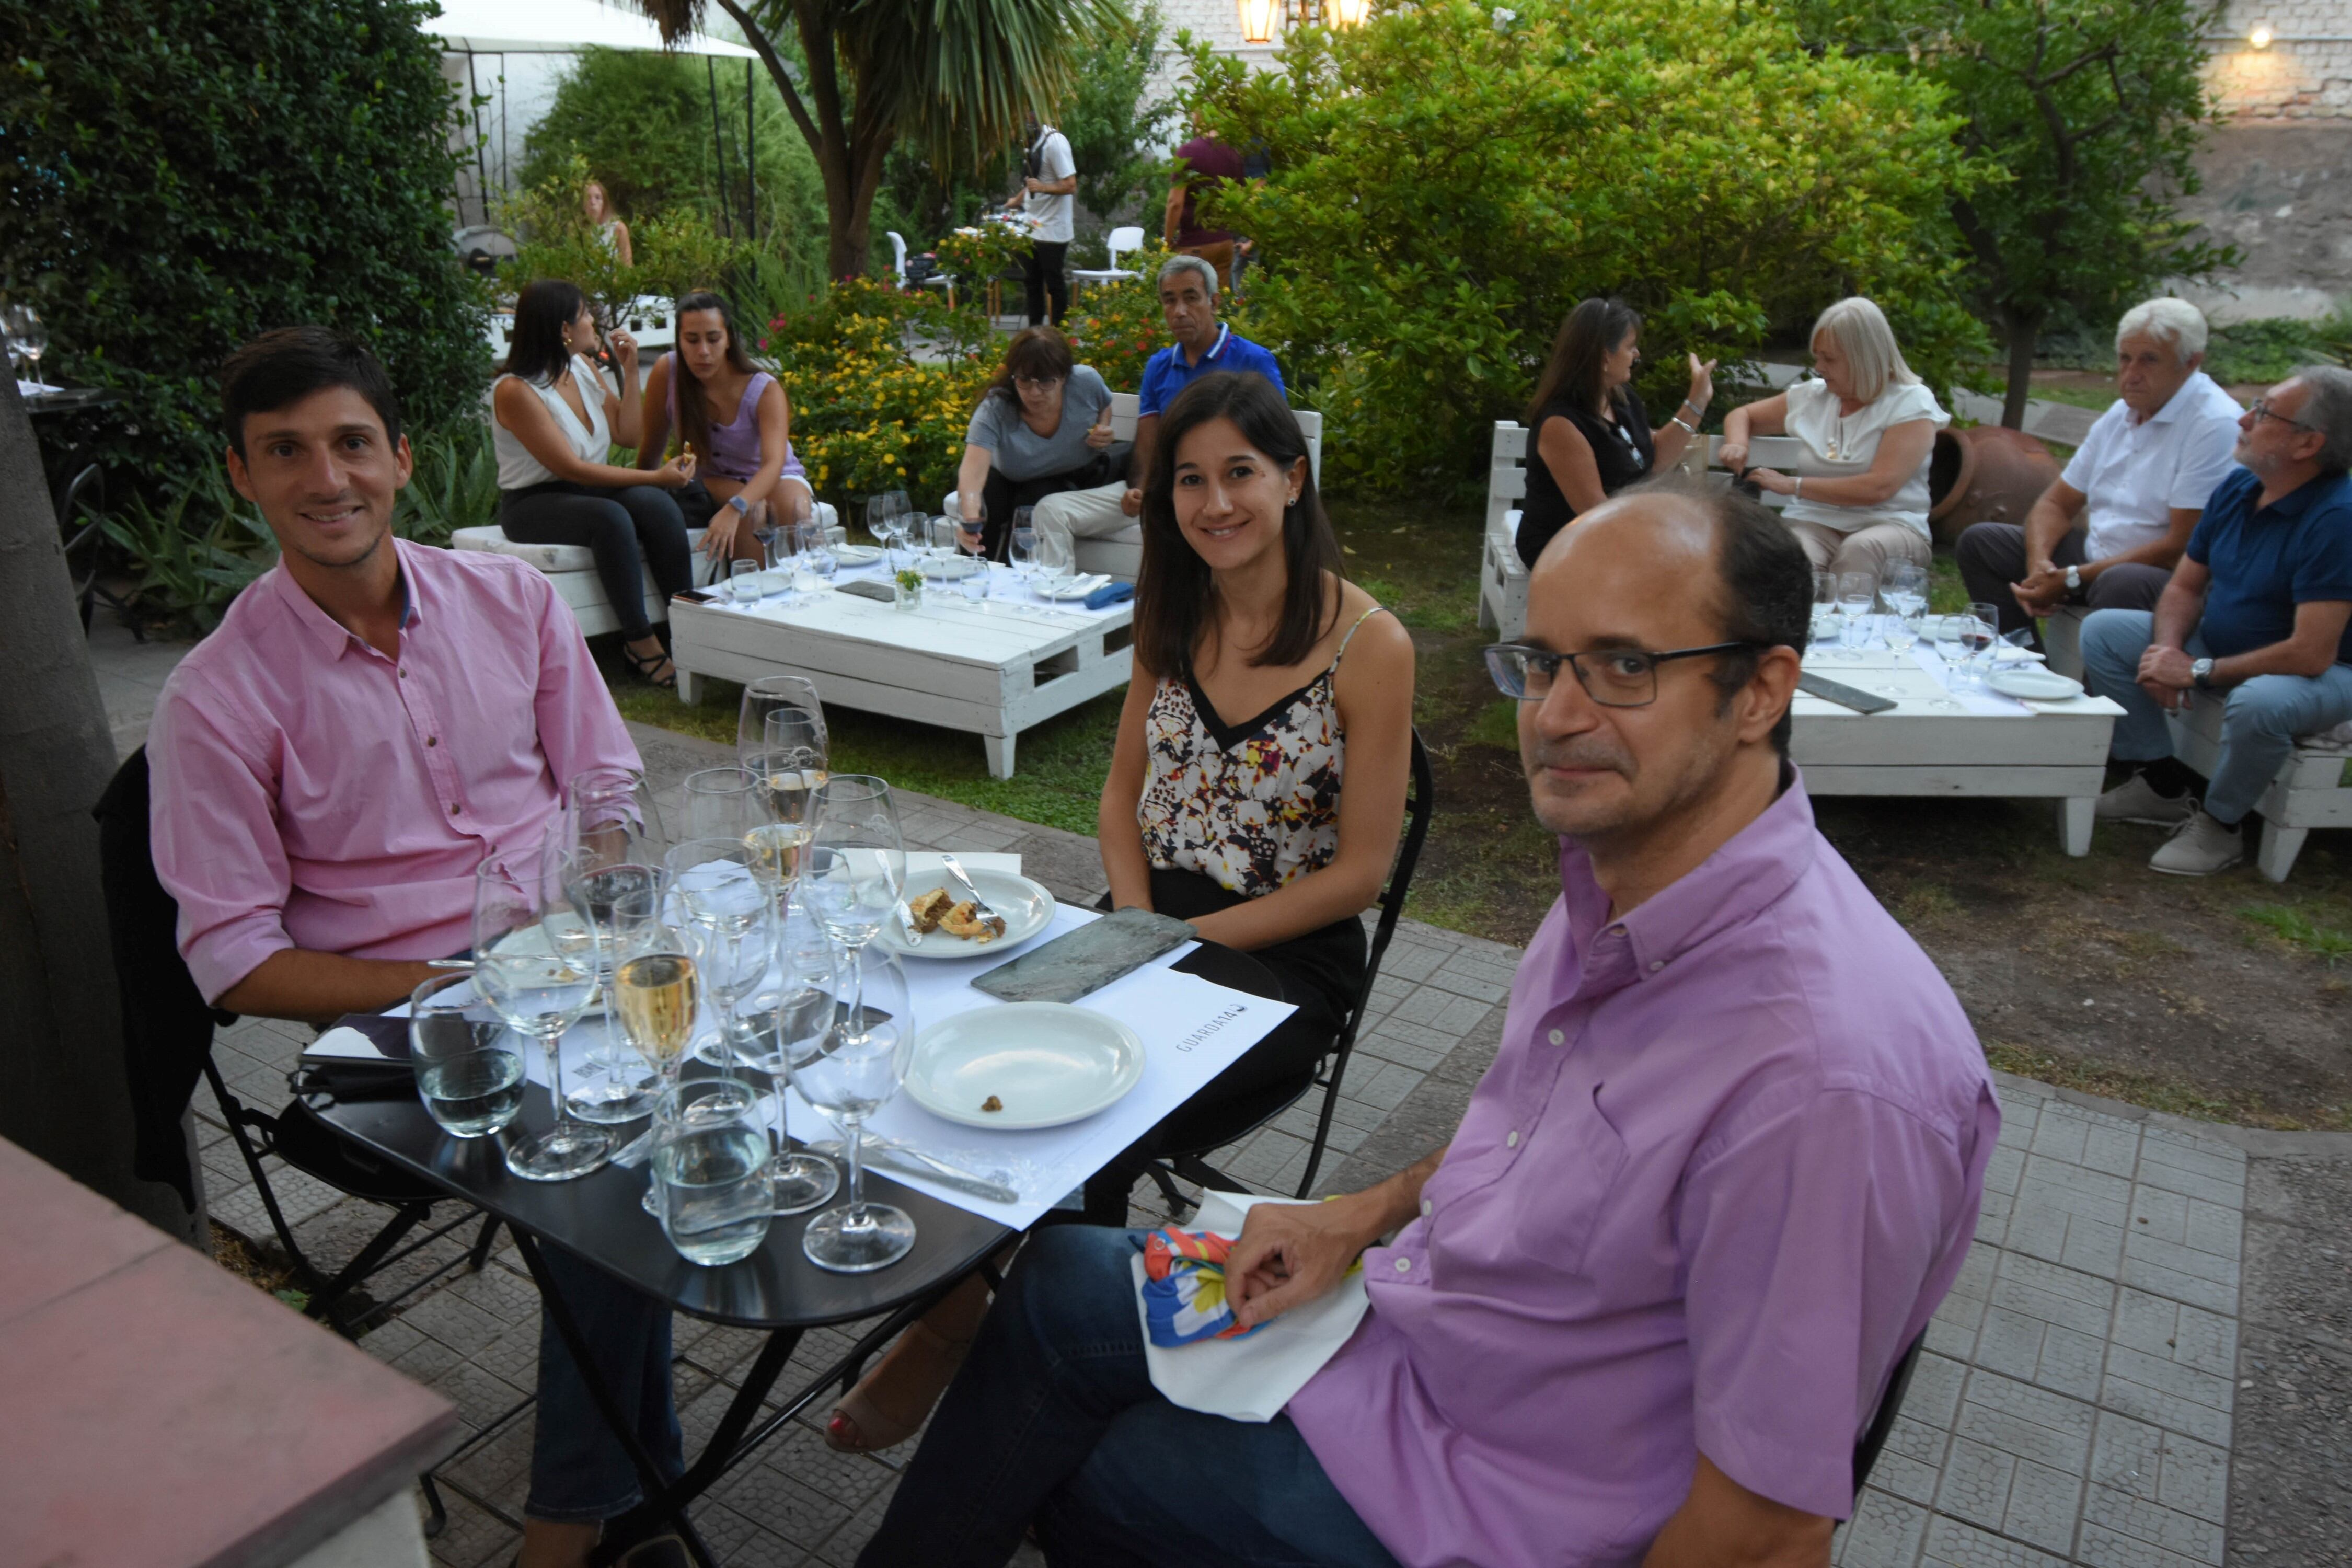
1622, 449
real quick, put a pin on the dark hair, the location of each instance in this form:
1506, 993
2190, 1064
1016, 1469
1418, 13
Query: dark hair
281, 368
1766, 577
542, 312
686, 387
1173, 589
1041, 353
1586, 337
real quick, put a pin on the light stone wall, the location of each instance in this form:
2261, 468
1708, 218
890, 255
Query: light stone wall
2304, 75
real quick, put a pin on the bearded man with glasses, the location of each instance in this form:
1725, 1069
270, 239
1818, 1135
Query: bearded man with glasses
1726, 1162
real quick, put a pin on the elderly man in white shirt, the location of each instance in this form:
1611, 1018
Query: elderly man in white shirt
2109, 530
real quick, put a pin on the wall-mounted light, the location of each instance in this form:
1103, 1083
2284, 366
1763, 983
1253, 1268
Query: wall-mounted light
1345, 13
1257, 20
2260, 37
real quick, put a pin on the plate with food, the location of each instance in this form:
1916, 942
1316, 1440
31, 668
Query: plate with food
946, 924
1023, 1064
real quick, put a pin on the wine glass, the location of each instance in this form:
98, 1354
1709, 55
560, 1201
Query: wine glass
1984, 639
788, 773
764, 697
1825, 612
856, 1065
721, 891
721, 803
856, 864
1906, 586
540, 991
808, 960
1857, 591
610, 868
31, 338
1022, 549
656, 991
1953, 647
469, 1069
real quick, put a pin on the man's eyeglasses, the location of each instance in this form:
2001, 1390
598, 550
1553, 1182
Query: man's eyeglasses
2261, 410
1614, 677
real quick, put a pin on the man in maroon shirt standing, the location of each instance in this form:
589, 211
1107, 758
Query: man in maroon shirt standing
1202, 165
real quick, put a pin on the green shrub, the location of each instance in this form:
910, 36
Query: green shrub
1115, 326
184, 174
1447, 181
2272, 349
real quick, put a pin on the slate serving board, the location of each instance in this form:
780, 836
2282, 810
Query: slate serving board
1087, 959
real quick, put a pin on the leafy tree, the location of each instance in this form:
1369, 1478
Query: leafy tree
1115, 136
2092, 109
953, 76
1447, 181
184, 174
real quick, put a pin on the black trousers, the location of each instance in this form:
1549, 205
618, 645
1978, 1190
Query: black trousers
1992, 556
1043, 276
999, 496
615, 525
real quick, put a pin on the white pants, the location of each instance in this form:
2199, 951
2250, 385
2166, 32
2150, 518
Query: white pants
1062, 520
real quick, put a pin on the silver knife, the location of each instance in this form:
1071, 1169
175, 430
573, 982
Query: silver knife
891, 1160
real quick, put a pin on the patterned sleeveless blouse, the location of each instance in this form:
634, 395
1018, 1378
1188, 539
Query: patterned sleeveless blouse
1252, 806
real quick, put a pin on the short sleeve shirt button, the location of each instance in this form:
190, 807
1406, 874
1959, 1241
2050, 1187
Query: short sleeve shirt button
1425, 1208
1556, 1037
1657, 965
1404, 1264
1511, 1139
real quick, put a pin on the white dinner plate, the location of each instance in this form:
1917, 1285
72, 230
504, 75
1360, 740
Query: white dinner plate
856, 554
2034, 684
1080, 589
1026, 905
1045, 1063
949, 568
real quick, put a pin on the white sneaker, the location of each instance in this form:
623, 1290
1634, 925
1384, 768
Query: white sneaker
2198, 847
2136, 800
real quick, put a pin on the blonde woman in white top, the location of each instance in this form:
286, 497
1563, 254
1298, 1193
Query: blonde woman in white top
553, 426
1869, 428
606, 222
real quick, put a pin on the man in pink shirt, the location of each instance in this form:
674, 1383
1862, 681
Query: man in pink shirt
1727, 1162
370, 721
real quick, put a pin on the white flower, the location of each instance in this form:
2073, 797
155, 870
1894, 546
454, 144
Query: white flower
1504, 17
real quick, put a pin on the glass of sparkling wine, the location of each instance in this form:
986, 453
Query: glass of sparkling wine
656, 990
540, 990
710, 1172
469, 1064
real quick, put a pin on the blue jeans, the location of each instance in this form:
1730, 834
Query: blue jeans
579, 1472
1053, 1418
2260, 720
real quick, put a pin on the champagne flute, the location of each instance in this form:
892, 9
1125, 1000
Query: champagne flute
658, 991
764, 696
541, 992
858, 1064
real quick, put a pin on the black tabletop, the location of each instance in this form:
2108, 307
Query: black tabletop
70, 400
598, 1218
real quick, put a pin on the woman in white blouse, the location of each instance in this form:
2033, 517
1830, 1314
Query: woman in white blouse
1869, 427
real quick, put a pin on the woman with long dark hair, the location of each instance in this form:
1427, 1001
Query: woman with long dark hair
1240, 825
554, 423
1041, 427
736, 420
1593, 436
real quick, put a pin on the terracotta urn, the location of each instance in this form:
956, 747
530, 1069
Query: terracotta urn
1987, 473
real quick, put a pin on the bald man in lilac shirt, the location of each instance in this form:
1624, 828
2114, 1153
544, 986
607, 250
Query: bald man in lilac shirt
1726, 1163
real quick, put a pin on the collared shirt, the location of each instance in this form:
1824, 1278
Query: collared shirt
1725, 1166
310, 793
2266, 562
2132, 473
1168, 372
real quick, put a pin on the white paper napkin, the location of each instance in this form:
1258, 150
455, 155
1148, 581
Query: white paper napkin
1253, 1377
345, 1043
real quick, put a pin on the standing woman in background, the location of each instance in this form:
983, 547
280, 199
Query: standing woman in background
735, 419
553, 427
1591, 434
606, 222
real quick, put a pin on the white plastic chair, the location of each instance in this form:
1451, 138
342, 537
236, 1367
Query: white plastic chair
1128, 238
899, 265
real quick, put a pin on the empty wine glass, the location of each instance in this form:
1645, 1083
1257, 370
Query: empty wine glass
764, 696
1826, 625
540, 991
1857, 592
858, 1064
31, 338
721, 803
856, 863
807, 959
1905, 584
1954, 647
744, 583
723, 897
1901, 630
1022, 549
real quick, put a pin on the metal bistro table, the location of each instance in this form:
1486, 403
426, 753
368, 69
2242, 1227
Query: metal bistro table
598, 1220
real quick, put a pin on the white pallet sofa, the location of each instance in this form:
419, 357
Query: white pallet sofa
1502, 576
571, 568
1120, 555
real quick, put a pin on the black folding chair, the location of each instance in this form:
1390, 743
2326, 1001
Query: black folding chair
168, 1029
1865, 1452
1247, 1116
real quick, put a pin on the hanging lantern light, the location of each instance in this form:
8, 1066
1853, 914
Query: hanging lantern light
1345, 13
1257, 20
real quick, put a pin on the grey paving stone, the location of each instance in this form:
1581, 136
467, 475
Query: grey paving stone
2127, 1456
2103, 1547
1886, 1531
2160, 1214
2190, 1184
2042, 1506
2053, 1293
2151, 1524
2216, 1228
2195, 1480
2171, 1376
1975, 1484
2070, 1362
2075, 1189
1953, 1544
2004, 1169
2112, 1146
2031, 1423
1937, 1383
2169, 1411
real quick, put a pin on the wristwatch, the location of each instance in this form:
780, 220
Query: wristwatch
2073, 579
742, 507
2202, 674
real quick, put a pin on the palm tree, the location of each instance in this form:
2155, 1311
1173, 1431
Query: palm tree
957, 77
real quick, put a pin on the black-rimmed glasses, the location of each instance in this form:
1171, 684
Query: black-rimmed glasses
2263, 410
1614, 677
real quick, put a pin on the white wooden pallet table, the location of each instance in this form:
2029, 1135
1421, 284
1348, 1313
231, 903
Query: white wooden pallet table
1934, 743
994, 671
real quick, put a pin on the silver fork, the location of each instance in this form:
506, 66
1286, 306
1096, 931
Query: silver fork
979, 905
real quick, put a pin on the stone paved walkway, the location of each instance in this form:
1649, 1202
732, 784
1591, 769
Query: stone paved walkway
2077, 1402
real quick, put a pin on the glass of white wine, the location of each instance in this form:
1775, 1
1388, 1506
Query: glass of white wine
658, 991
540, 989
790, 769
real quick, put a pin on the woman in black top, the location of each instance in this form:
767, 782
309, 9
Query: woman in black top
1592, 436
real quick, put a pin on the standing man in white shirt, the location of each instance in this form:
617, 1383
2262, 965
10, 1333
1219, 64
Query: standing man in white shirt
1048, 195
2109, 529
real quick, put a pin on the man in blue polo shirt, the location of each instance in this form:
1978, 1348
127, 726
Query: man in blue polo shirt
2259, 613
1188, 303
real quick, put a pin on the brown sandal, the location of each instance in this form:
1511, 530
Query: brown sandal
859, 1425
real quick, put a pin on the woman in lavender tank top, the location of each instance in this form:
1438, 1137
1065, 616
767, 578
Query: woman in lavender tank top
736, 420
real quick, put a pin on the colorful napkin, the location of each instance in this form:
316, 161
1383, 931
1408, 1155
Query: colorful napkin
1184, 1288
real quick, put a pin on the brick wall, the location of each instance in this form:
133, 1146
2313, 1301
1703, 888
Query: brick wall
2307, 72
